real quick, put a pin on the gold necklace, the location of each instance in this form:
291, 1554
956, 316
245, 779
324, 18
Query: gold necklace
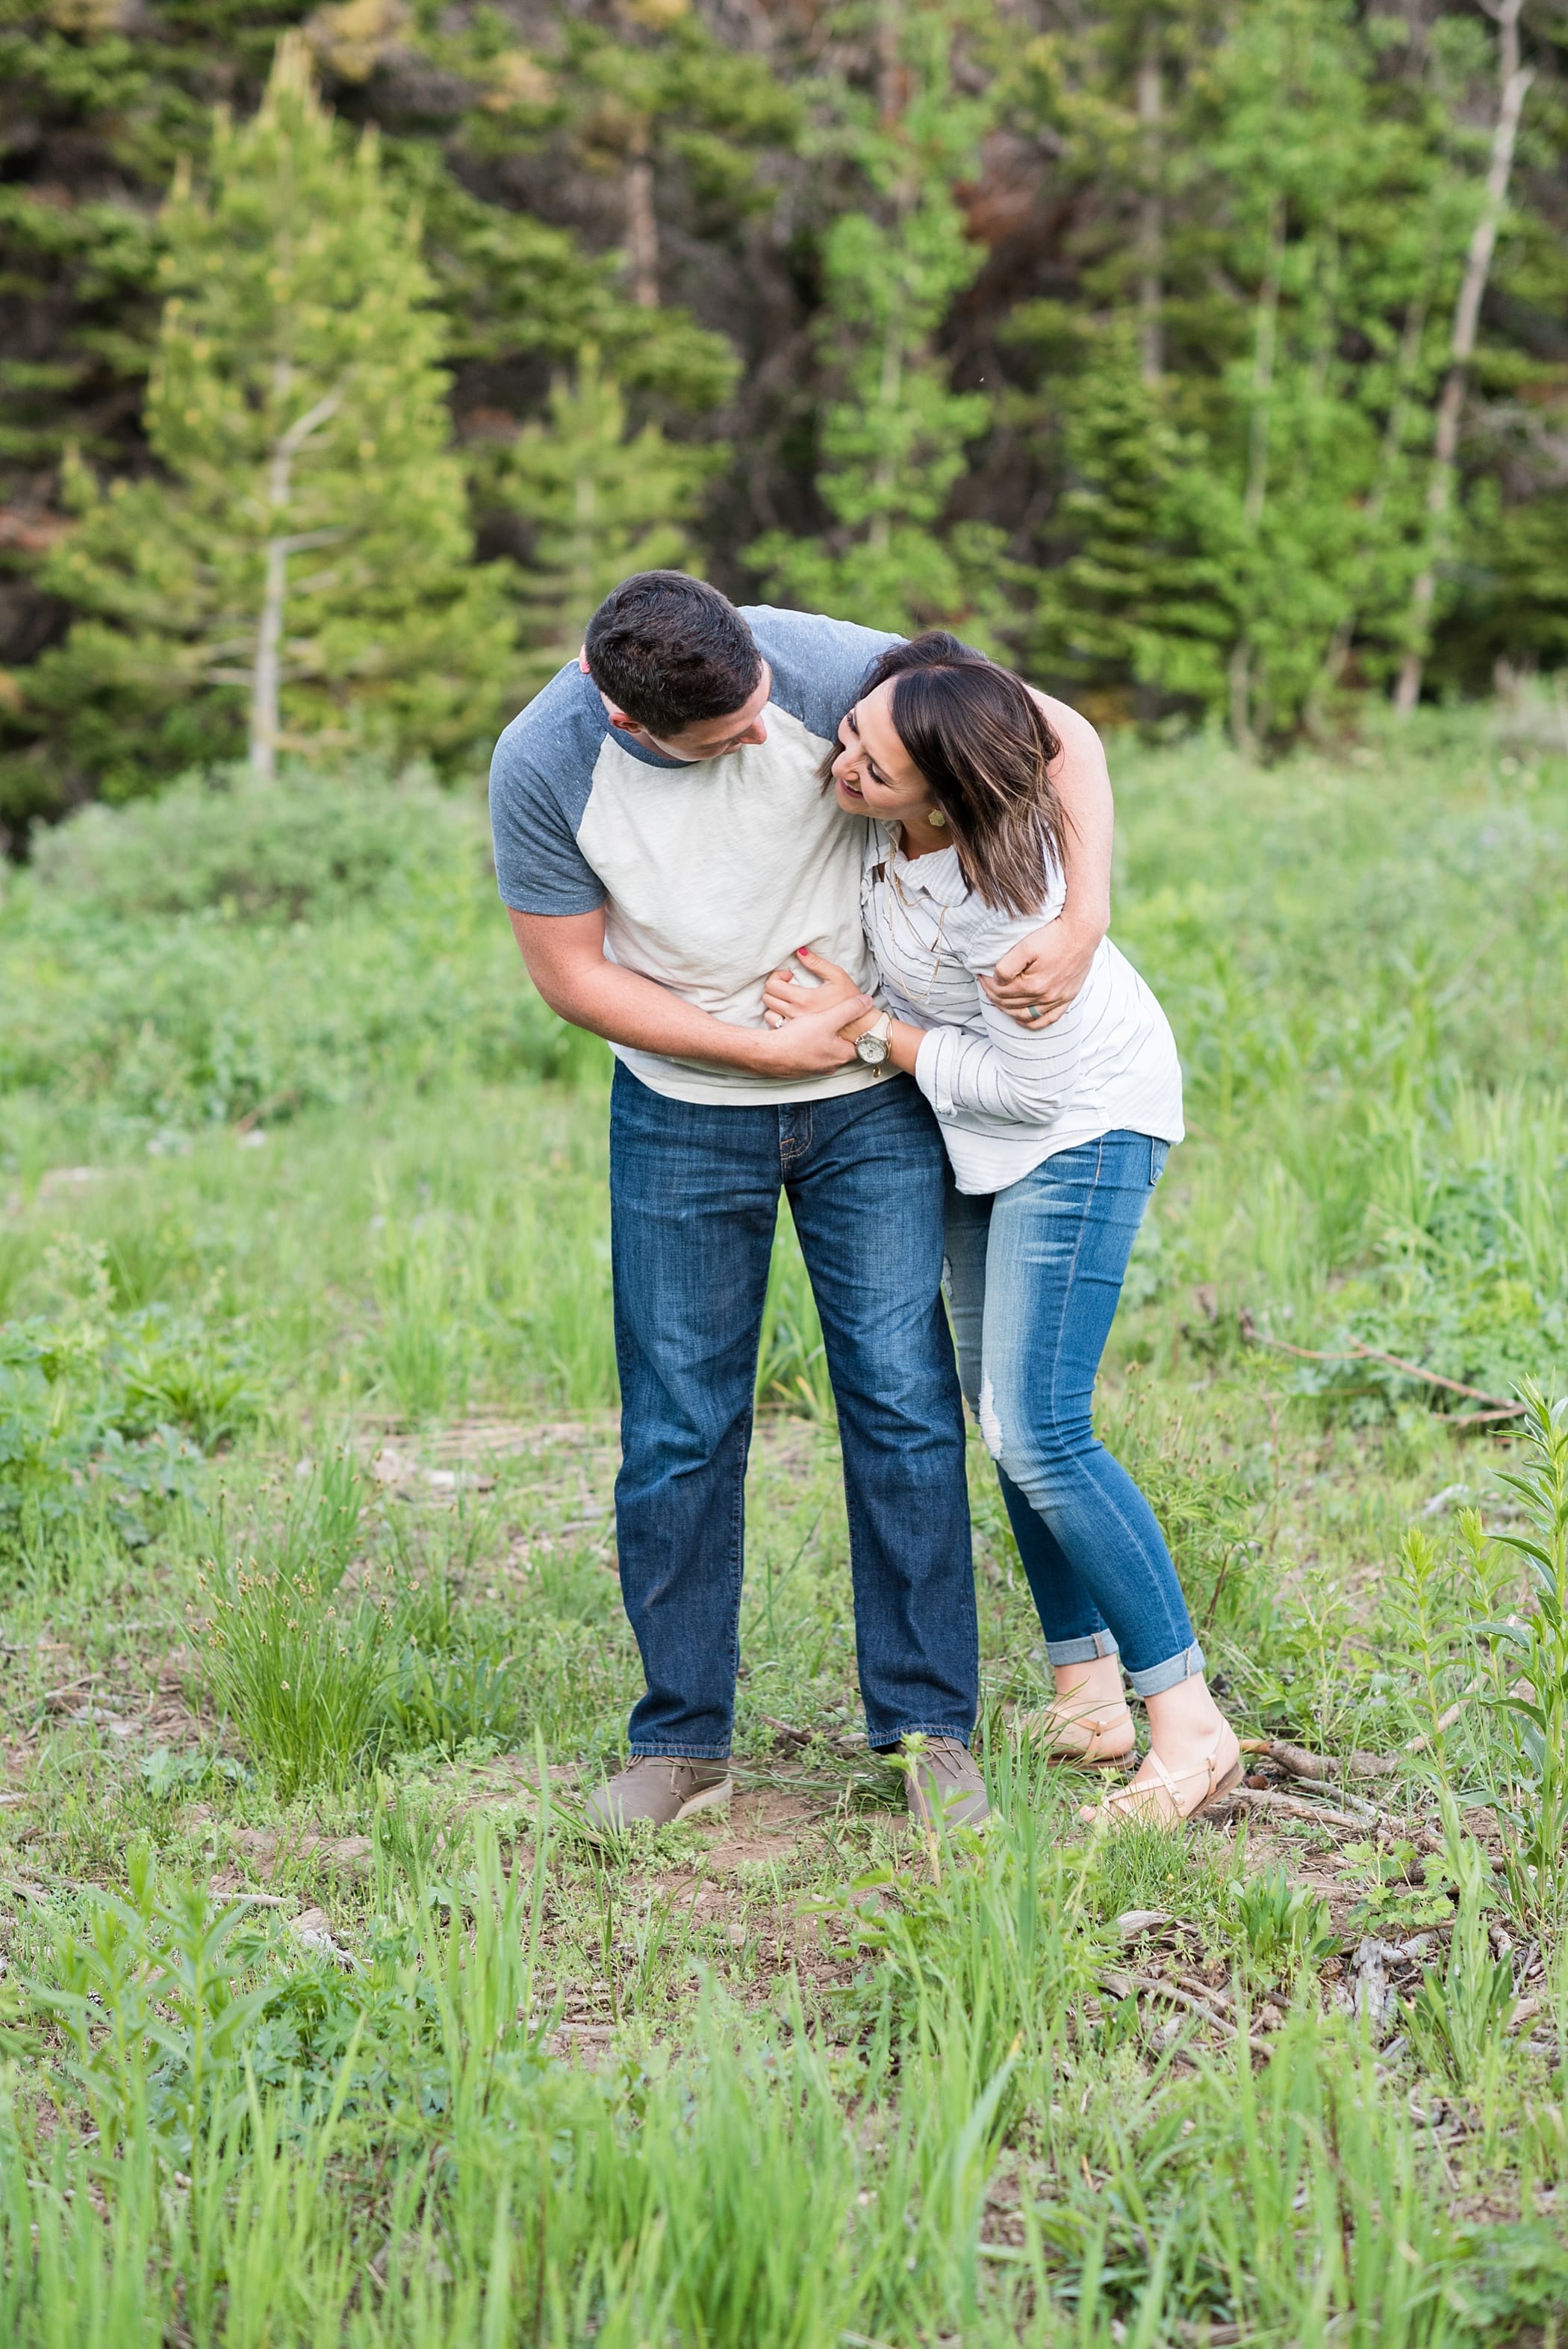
892, 871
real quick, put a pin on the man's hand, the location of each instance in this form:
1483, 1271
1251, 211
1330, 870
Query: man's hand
809, 1039
566, 961
1035, 981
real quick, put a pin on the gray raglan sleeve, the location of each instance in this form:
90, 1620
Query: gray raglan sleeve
538, 785
818, 663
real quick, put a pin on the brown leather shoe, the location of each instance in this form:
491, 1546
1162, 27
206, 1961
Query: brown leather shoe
658, 1788
942, 1783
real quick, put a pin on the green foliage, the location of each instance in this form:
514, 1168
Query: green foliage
298, 1662
892, 431
98, 1408
161, 1970
599, 502
312, 845
1282, 1927
791, 1362
1459, 2016
155, 971
1536, 1654
305, 512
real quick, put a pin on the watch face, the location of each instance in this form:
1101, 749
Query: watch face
872, 1050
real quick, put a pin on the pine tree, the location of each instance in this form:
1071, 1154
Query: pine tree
299, 571
893, 441
599, 505
1236, 524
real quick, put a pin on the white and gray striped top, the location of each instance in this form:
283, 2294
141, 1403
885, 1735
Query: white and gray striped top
1009, 1097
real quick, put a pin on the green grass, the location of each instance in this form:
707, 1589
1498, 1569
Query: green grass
307, 1559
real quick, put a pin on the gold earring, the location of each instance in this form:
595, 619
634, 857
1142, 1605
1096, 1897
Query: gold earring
936, 819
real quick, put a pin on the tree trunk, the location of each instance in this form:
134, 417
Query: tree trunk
266, 669
264, 674
1264, 336
641, 222
1513, 81
1151, 212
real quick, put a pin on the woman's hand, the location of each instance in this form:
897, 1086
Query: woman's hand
784, 998
807, 1040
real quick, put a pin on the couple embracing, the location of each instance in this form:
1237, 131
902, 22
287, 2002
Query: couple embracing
838, 902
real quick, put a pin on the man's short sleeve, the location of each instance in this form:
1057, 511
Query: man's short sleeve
818, 663
540, 777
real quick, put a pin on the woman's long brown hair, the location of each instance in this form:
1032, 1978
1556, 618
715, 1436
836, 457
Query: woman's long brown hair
982, 745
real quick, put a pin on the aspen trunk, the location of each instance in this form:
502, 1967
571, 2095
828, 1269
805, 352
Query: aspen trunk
642, 223
1513, 82
266, 669
265, 675
1151, 214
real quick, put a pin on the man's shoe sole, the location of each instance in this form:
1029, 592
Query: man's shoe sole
708, 1799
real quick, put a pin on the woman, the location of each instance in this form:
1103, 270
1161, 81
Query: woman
1057, 1136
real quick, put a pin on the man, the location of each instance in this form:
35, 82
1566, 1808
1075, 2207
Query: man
661, 843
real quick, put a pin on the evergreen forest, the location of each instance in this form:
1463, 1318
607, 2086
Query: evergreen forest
1209, 358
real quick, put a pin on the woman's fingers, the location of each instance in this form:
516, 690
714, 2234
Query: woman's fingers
821, 967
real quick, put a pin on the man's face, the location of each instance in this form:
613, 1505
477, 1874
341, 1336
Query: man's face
709, 738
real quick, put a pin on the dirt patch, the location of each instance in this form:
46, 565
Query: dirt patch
266, 1849
771, 1824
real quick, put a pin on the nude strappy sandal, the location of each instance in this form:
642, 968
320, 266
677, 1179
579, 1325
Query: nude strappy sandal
1158, 1798
1099, 1741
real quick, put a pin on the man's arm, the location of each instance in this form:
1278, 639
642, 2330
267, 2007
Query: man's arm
1050, 964
566, 961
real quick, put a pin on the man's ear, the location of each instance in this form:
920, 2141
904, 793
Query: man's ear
619, 718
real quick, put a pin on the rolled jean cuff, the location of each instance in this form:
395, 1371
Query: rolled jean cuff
1184, 1666
888, 1740
1085, 1650
670, 1749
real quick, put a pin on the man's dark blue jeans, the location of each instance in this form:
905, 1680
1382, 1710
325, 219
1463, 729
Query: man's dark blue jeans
693, 1192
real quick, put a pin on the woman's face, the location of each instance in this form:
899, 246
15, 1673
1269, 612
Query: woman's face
873, 775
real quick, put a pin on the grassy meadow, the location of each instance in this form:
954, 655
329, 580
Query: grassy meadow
319, 2019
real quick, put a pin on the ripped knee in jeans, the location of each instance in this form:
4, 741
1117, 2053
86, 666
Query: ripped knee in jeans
990, 1424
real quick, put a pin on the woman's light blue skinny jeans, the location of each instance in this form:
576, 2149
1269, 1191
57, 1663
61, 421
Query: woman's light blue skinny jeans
1034, 1276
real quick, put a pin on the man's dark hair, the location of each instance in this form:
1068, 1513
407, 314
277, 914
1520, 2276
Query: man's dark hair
671, 651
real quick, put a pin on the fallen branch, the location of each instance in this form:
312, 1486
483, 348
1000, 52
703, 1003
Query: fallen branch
1499, 1406
1321, 1767
785, 1733
1355, 1814
1123, 1985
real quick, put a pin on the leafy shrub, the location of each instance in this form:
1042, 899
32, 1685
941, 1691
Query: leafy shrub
306, 846
181, 991
1282, 1927
1459, 2018
162, 1969
95, 1401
